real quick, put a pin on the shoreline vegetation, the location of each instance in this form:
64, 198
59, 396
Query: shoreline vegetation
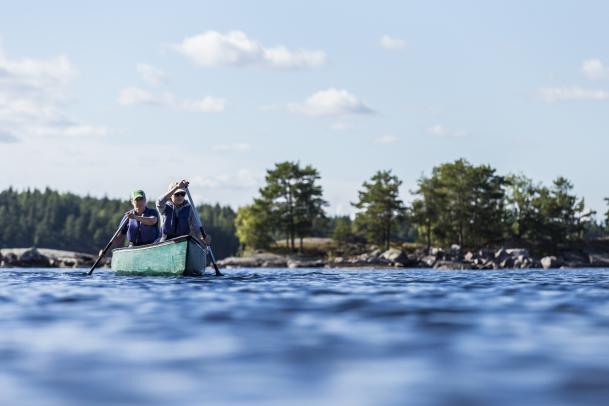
460, 216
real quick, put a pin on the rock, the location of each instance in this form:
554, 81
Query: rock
395, 255
469, 257
428, 261
575, 260
376, 253
455, 249
501, 255
448, 265
507, 263
486, 253
550, 262
518, 252
306, 263
256, 260
599, 259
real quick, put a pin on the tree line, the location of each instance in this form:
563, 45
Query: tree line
458, 203
50, 219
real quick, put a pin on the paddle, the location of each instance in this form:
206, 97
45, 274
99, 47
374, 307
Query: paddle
108, 246
200, 225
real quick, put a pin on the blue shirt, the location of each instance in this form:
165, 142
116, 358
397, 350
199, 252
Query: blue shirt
140, 234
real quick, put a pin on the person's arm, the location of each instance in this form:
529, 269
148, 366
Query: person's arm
146, 220
183, 184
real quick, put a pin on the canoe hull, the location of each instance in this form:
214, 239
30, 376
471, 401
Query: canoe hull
178, 256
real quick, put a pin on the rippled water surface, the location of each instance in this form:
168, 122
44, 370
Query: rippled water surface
278, 336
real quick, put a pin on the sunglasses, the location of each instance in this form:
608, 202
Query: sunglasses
180, 194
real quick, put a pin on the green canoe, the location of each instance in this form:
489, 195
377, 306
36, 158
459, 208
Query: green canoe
179, 256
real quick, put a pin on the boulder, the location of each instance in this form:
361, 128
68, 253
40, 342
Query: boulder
428, 261
598, 259
550, 262
395, 255
507, 263
501, 255
469, 257
518, 252
448, 265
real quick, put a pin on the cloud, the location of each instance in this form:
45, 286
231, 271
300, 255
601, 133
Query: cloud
573, 93
595, 69
387, 139
438, 130
331, 102
231, 147
388, 42
133, 96
150, 74
33, 94
235, 48
243, 179
206, 105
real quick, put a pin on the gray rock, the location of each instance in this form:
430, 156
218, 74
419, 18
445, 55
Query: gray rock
428, 261
518, 252
395, 255
550, 262
469, 257
507, 263
501, 255
598, 259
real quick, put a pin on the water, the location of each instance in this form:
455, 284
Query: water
329, 337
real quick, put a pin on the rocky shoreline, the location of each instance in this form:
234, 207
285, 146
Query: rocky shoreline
503, 258
44, 258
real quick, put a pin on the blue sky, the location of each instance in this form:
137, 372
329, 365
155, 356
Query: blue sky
107, 98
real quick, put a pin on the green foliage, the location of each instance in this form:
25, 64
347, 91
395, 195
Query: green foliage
343, 230
462, 204
293, 199
254, 226
380, 207
219, 222
50, 219
607, 214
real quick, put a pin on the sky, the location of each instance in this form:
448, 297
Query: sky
105, 98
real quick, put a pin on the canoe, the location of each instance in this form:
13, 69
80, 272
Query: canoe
178, 256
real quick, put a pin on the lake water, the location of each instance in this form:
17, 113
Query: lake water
328, 337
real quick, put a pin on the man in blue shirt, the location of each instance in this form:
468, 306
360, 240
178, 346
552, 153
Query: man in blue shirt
141, 224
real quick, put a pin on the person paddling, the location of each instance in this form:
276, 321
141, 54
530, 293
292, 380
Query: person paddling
176, 213
140, 224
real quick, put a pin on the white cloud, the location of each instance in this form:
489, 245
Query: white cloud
73, 130
235, 48
331, 102
133, 96
389, 42
573, 93
150, 74
387, 139
595, 69
239, 146
206, 105
243, 179
438, 130
340, 126
33, 94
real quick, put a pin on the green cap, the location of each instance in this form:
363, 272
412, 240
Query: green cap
137, 193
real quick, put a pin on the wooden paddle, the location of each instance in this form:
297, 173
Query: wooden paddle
200, 225
108, 245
